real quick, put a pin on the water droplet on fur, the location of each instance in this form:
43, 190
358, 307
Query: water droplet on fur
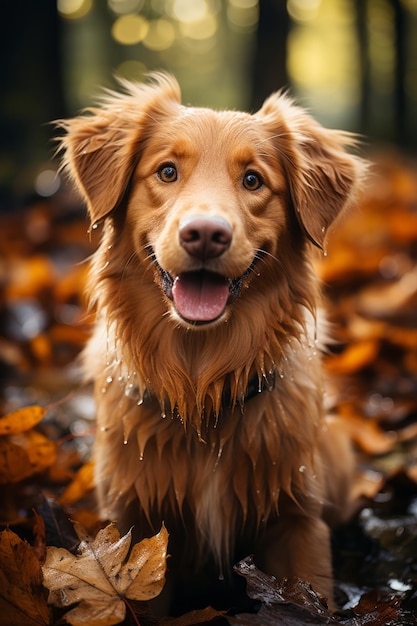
140, 401
103, 429
109, 379
302, 468
125, 442
104, 390
163, 415
141, 456
94, 226
221, 576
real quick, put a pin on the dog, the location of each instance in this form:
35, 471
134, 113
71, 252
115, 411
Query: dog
206, 351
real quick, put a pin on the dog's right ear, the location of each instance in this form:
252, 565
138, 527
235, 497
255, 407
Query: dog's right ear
102, 147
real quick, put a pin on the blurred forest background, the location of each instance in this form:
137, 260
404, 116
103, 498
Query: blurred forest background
353, 63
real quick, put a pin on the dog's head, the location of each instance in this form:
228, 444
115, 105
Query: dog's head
206, 198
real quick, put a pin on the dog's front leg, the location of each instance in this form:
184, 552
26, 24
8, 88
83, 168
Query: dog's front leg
297, 543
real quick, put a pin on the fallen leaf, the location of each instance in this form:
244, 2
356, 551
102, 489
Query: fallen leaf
24, 455
22, 599
367, 484
288, 602
81, 485
21, 420
355, 357
27, 277
103, 573
377, 608
366, 432
199, 616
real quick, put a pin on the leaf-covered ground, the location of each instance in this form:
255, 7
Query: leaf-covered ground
370, 276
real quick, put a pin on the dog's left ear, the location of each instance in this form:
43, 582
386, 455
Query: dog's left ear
323, 178
100, 148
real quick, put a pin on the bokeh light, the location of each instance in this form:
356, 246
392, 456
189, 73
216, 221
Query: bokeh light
186, 11
203, 28
74, 9
303, 10
160, 35
243, 15
120, 7
130, 29
47, 183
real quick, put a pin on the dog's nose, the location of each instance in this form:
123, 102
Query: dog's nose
205, 237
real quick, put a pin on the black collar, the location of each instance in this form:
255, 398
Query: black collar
256, 385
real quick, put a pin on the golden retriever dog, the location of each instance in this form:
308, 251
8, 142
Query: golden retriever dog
206, 348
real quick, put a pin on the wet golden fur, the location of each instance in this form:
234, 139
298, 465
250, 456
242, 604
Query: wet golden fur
174, 432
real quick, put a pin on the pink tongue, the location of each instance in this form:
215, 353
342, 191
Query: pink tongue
200, 296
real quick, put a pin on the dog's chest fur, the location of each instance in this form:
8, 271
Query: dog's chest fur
229, 472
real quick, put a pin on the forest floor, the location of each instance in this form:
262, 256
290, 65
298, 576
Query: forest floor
370, 280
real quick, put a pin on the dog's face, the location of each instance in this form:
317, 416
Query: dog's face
206, 199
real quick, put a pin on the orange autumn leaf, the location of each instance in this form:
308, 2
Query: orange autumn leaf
105, 571
21, 420
24, 455
354, 357
29, 276
367, 434
22, 599
367, 484
80, 486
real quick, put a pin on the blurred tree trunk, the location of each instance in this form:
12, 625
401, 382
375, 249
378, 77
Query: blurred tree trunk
269, 71
32, 95
398, 122
400, 103
364, 64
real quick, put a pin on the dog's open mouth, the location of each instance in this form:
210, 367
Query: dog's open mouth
201, 296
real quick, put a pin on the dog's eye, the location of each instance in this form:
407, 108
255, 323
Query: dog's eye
252, 181
167, 173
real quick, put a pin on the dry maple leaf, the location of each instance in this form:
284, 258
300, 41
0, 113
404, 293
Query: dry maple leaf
103, 573
22, 601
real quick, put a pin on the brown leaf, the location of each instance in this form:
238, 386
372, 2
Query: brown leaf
200, 616
39, 533
377, 608
288, 602
21, 420
22, 601
81, 485
27, 277
105, 571
23, 455
355, 357
367, 484
366, 432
